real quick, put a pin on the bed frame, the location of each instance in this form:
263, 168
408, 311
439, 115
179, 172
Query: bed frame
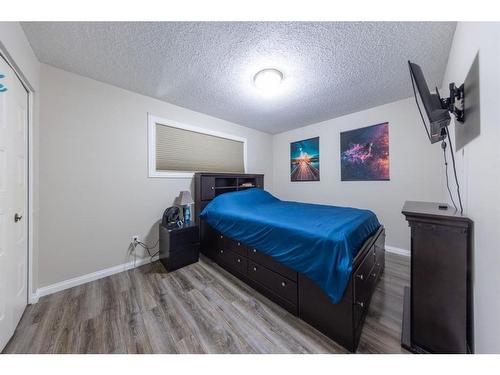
293, 291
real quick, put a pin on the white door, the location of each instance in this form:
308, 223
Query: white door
13, 201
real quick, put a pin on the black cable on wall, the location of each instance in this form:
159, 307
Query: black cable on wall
455, 171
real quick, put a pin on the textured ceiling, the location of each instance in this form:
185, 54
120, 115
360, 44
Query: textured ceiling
330, 69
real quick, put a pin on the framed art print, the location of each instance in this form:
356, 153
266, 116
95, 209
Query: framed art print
304, 160
364, 153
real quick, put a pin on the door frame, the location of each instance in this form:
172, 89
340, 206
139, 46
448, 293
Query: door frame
32, 297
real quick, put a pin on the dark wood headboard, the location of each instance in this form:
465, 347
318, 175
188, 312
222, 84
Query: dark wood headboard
209, 185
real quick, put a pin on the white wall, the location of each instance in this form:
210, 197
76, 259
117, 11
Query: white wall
416, 167
479, 173
95, 193
14, 42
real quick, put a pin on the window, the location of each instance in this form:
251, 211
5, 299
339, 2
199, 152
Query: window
179, 150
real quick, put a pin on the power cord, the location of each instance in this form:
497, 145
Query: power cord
455, 171
148, 249
443, 146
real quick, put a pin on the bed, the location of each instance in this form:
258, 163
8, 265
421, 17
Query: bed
319, 262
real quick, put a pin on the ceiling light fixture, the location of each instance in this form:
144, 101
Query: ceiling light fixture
268, 81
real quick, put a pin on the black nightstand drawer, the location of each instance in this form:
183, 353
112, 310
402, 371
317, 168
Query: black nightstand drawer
182, 257
185, 236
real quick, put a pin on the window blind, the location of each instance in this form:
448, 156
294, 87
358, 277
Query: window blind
184, 150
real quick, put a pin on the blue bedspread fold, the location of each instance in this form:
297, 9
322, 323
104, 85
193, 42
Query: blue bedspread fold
317, 240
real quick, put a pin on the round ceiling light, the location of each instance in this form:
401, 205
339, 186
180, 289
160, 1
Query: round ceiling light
268, 80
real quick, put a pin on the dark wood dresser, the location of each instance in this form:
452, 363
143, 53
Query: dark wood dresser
438, 305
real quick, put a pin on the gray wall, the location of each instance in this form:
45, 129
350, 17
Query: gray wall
478, 165
95, 193
416, 167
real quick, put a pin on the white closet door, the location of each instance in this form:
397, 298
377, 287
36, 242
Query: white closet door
13, 201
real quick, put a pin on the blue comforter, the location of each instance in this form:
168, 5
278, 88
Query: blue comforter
316, 240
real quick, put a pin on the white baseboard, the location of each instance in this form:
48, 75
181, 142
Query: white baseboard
397, 250
70, 283
33, 298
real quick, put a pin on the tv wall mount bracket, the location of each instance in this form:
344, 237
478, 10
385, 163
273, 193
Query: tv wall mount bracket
455, 102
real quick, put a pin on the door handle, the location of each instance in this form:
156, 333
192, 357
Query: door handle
17, 217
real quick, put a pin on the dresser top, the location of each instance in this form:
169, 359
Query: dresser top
431, 209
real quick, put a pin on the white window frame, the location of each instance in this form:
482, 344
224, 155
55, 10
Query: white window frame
153, 120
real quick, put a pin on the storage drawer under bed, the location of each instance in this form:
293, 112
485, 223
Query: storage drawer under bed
270, 278
233, 261
364, 280
275, 282
269, 262
226, 243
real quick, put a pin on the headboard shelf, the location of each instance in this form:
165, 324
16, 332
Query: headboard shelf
210, 185
225, 182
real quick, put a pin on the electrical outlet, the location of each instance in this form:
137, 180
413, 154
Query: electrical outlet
135, 239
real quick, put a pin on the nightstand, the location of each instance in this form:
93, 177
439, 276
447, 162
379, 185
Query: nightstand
179, 246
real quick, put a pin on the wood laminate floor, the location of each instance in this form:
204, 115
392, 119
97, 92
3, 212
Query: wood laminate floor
198, 309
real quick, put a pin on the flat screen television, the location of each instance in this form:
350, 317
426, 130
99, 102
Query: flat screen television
436, 117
